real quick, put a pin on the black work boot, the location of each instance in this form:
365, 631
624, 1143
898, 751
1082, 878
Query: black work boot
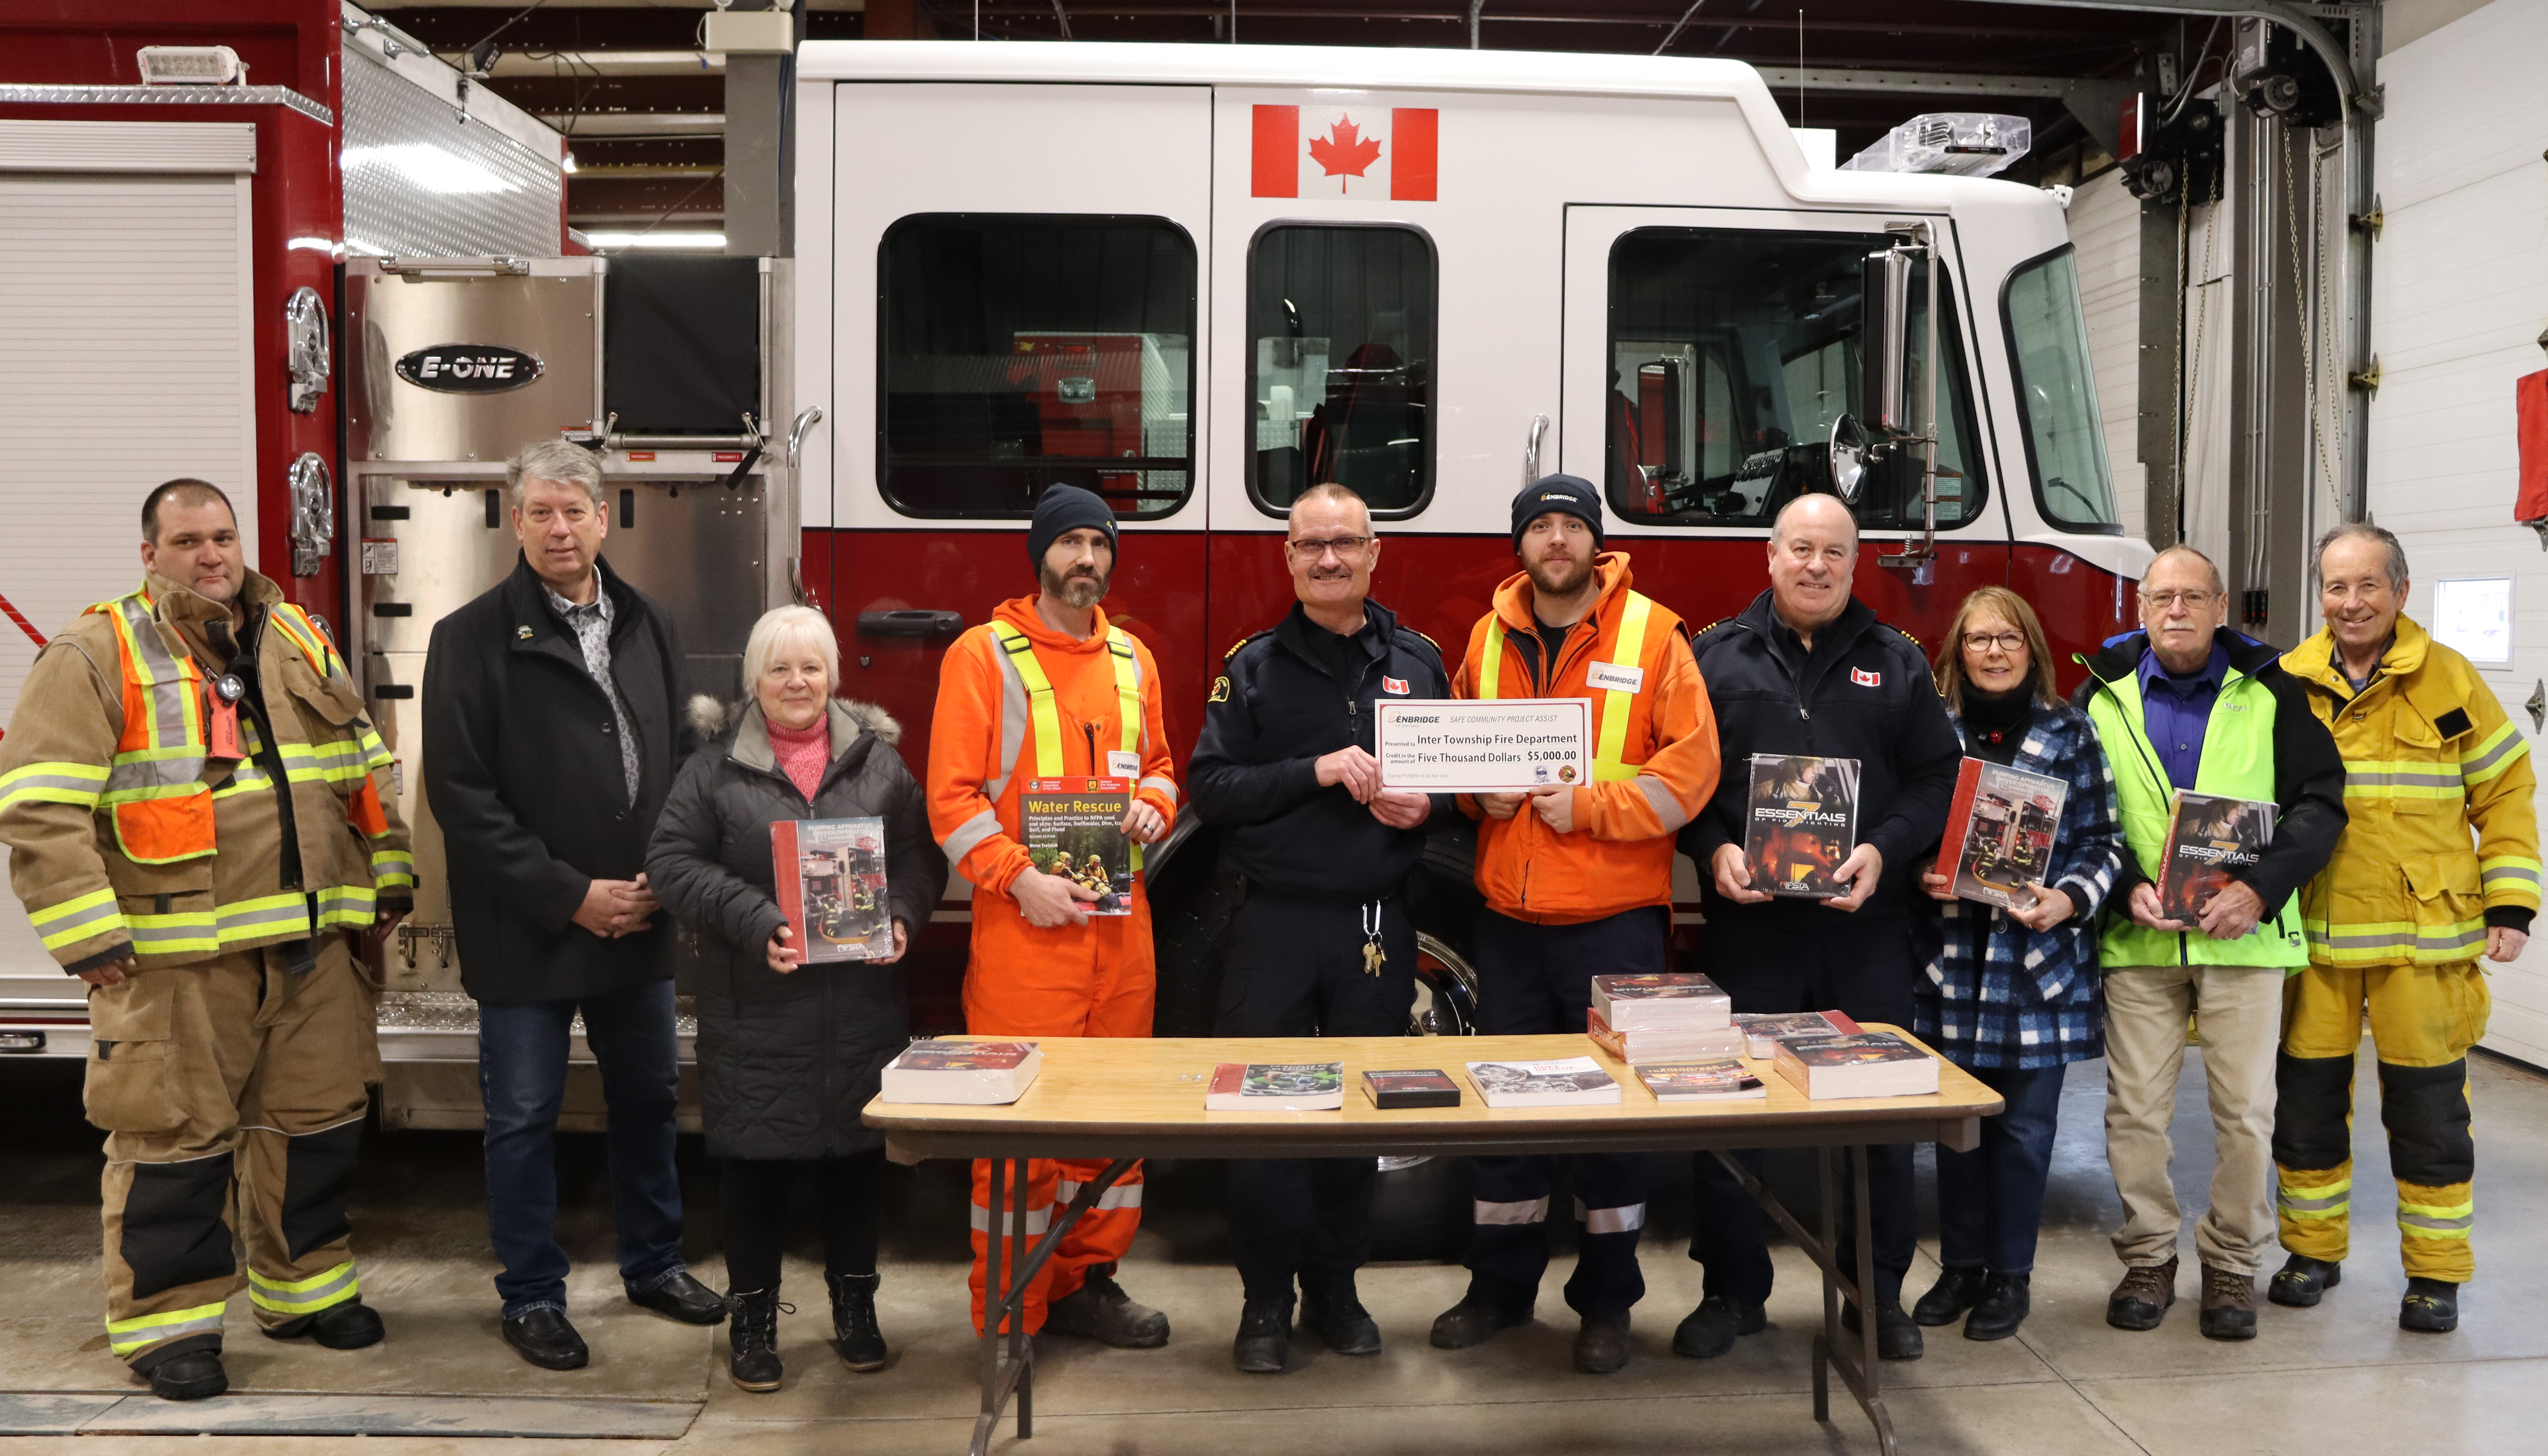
2303, 1281
752, 1361
1474, 1320
1264, 1343
2002, 1306
1101, 1311
1956, 1291
1602, 1346
1711, 1329
854, 1321
1338, 1314
349, 1326
2431, 1306
1896, 1337
195, 1375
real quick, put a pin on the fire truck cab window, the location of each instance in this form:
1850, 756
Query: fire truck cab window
1341, 364
2065, 440
1731, 356
1020, 351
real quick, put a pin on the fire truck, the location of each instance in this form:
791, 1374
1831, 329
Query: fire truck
1195, 279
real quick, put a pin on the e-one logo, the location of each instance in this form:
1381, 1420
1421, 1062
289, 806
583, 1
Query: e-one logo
469, 369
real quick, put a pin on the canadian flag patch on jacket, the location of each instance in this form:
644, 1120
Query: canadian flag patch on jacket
1864, 679
1397, 685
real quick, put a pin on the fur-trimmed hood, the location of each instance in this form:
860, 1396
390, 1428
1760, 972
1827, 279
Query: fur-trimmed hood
713, 718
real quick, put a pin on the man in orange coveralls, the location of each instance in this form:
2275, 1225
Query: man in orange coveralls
1047, 689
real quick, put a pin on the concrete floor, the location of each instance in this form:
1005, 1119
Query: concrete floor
2336, 1380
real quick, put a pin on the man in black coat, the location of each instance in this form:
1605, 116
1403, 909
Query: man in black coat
1322, 944
1808, 669
553, 725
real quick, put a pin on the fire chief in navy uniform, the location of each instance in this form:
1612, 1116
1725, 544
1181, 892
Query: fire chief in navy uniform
1322, 944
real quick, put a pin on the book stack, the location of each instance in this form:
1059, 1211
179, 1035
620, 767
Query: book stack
963, 1073
1869, 1065
1642, 1019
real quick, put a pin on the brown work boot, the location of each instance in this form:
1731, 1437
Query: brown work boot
2228, 1305
2142, 1300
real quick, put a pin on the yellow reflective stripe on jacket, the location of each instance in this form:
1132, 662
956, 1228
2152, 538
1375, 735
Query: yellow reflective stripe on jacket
77, 919
1617, 703
304, 1296
347, 905
2510, 870
303, 633
2498, 753
2401, 779
376, 753
1491, 670
2379, 943
52, 783
1128, 688
128, 1335
393, 868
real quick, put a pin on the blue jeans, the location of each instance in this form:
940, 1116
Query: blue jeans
522, 1077
1990, 1200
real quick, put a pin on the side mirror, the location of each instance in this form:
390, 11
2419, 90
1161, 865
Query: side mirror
1847, 459
1885, 341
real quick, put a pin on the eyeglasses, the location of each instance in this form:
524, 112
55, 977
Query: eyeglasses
2009, 642
1312, 550
2195, 600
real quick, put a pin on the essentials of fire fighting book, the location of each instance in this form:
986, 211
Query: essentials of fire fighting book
967, 1073
1869, 1065
1999, 832
1802, 823
1716, 1079
830, 875
1665, 1043
1411, 1087
1074, 828
1276, 1086
2209, 836
1763, 1030
1577, 1081
1637, 1003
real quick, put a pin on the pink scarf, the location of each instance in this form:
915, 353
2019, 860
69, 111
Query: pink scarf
804, 753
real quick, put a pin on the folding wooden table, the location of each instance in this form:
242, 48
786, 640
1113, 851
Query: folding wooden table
1124, 1100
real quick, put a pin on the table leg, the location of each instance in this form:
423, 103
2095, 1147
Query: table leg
1020, 1359
1005, 1280
1871, 1397
1826, 1340
1854, 1360
995, 1304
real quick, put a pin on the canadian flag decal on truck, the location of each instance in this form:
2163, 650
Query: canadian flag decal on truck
1350, 151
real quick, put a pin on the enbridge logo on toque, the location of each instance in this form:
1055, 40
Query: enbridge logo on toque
1864, 679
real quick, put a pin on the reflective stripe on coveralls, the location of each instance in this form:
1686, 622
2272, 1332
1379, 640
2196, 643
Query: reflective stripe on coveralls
305, 1295
1612, 743
125, 1336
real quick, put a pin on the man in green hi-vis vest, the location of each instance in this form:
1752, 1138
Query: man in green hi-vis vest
2182, 704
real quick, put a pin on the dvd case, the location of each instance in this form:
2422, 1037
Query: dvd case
1802, 823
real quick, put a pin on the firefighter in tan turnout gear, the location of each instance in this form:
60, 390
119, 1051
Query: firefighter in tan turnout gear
195, 814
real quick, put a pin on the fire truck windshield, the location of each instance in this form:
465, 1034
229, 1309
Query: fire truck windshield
2066, 442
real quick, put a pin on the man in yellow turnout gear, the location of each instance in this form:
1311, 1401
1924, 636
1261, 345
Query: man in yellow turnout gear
2438, 865
196, 812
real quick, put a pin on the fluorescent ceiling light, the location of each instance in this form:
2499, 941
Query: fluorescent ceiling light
655, 239
430, 167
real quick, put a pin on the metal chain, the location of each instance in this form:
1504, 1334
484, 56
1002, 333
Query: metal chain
2300, 297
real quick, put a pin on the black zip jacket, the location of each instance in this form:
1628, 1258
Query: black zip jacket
1864, 692
2308, 773
1274, 711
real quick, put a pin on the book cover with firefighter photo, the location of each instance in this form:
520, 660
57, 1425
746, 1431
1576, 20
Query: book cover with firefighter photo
1802, 823
2209, 836
1999, 832
1074, 828
831, 887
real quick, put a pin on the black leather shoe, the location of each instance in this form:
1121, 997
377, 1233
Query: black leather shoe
1602, 1346
1264, 1343
547, 1340
1956, 1291
344, 1327
2303, 1281
1339, 1319
2431, 1306
854, 1321
1473, 1322
194, 1375
1711, 1329
684, 1299
1896, 1337
2001, 1309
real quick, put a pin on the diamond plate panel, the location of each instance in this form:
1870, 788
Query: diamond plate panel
420, 182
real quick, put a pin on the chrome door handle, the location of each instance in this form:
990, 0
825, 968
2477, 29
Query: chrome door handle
1531, 452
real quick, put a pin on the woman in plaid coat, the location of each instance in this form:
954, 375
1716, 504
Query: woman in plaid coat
2012, 995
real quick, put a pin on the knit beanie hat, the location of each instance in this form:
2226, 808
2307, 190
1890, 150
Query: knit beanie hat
1065, 508
1569, 494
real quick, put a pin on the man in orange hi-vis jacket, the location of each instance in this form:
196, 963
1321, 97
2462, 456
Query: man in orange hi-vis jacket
1047, 689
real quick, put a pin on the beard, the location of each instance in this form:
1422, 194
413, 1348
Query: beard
1561, 578
1078, 591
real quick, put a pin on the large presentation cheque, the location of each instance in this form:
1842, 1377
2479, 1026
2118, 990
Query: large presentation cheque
1498, 746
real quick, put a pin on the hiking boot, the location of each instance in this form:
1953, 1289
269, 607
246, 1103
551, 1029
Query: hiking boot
1264, 1343
1602, 1346
1711, 1330
1956, 1291
2001, 1309
1474, 1320
1896, 1337
348, 1326
752, 1362
2142, 1300
2431, 1306
2303, 1281
854, 1321
1339, 1319
2228, 1305
1101, 1311
194, 1375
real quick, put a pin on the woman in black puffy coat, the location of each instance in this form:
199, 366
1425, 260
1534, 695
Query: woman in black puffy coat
789, 1053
